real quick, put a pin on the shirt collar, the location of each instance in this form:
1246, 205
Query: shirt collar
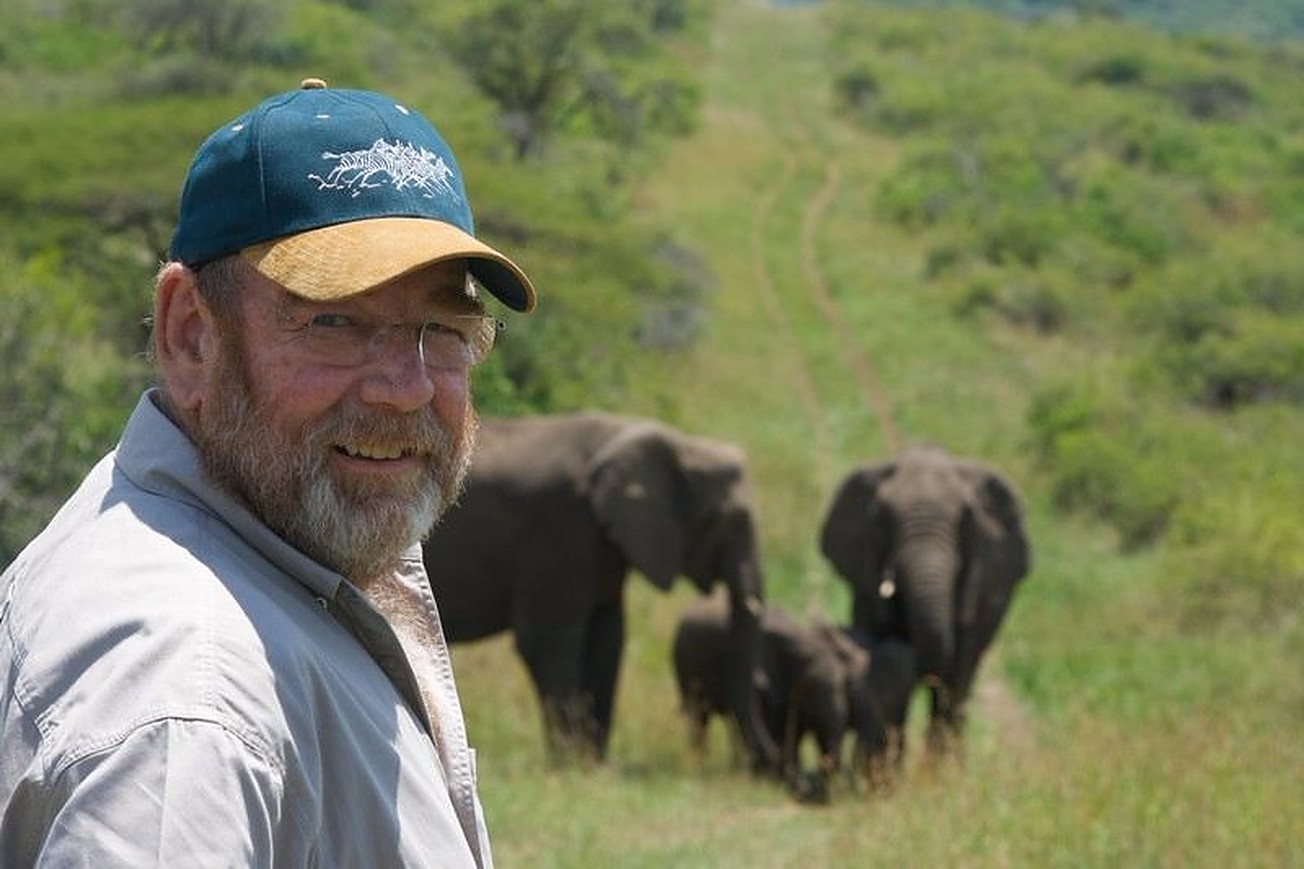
159, 457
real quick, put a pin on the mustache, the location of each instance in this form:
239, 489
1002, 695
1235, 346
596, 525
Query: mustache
413, 432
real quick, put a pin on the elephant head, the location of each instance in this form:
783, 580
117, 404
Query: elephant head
933, 547
681, 505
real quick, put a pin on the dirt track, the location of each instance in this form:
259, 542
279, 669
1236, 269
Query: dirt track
856, 361
991, 694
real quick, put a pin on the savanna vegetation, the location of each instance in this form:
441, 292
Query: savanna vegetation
1262, 19
1068, 245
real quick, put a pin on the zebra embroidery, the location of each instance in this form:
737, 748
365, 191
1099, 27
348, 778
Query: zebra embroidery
398, 164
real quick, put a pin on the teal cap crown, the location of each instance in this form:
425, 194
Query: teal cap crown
319, 157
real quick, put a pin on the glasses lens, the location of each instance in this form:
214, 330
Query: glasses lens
461, 344
338, 342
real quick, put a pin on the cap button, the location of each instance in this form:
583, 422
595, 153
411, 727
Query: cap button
312, 84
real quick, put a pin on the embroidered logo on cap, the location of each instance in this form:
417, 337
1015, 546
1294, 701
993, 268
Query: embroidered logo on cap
399, 165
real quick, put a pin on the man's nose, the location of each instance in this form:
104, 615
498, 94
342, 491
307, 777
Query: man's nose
397, 373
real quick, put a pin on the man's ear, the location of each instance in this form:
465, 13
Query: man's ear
186, 337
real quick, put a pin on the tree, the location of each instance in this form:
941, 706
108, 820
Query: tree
231, 29
601, 68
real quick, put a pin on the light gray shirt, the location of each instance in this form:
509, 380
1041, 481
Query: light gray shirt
180, 687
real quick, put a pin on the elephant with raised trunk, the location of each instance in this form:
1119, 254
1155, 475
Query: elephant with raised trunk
556, 511
933, 547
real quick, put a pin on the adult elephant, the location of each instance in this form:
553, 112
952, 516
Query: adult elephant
557, 510
933, 546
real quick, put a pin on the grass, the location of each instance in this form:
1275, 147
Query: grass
1108, 728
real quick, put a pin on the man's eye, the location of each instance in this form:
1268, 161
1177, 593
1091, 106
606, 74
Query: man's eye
434, 328
331, 321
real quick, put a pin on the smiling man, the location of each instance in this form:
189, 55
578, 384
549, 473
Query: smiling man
224, 649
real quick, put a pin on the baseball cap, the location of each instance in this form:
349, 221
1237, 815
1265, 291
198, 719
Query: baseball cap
331, 192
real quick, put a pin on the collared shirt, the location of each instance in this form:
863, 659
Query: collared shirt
183, 688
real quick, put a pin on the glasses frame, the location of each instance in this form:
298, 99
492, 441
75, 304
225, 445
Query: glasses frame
354, 344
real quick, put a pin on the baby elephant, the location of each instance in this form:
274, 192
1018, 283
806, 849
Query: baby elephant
802, 681
878, 698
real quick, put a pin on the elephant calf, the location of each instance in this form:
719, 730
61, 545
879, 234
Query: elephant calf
803, 681
878, 702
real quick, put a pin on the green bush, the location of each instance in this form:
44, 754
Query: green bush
1100, 461
1116, 70
66, 392
857, 89
1239, 562
1216, 97
1108, 477
1254, 357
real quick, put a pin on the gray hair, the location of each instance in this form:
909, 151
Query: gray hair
219, 282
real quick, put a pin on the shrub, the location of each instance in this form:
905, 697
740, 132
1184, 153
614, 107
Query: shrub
65, 392
1102, 460
1258, 356
1109, 477
857, 88
232, 29
1214, 97
1116, 70
1024, 298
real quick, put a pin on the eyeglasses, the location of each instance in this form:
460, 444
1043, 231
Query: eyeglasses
456, 342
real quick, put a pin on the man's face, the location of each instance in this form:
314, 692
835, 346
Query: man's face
350, 449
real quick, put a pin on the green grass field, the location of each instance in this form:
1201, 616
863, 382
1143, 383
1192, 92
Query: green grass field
1109, 727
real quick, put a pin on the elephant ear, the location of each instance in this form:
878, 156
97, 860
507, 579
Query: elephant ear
998, 521
854, 537
638, 490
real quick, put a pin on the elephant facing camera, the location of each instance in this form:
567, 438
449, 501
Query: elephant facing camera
946, 535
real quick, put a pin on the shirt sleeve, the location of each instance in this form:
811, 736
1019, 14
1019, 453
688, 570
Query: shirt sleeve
175, 792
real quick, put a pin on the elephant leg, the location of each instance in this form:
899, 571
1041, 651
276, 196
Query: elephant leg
880, 757
604, 644
896, 750
554, 661
829, 723
697, 713
946, 724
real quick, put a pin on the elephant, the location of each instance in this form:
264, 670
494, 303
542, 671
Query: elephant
933, 547
556, 510
878, 700
804, 679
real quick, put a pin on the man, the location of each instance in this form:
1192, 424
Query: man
224, 649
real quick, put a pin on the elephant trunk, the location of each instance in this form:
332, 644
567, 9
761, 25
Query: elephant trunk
746, 605
927, 566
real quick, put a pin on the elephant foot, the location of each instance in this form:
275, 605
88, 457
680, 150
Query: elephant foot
809, 788
879, 777
944, 743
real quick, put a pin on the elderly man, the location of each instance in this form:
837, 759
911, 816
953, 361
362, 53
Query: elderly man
224, 649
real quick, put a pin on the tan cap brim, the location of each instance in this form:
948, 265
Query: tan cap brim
345, 259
